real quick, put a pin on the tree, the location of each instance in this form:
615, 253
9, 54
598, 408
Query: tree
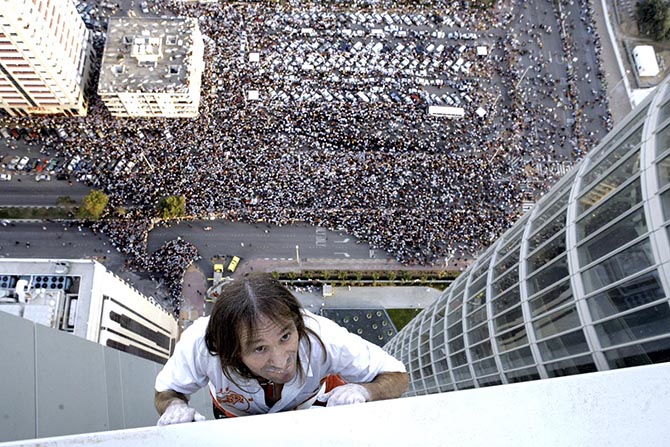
653, 17
93, 205
172, 207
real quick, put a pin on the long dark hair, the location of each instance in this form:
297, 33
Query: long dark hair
239, 308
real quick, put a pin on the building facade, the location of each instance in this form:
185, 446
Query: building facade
579, 284
83, 298
45, 52
152, 67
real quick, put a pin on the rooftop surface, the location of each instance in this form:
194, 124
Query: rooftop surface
147, 55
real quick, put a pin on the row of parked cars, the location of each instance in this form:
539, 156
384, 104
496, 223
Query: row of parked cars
75, 168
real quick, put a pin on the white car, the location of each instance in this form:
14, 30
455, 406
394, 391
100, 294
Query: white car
5, 177
42, 177
144, 7
22, 163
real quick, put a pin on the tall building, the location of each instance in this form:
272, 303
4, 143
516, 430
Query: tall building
152, 67
579, 284
85, 299
45, 52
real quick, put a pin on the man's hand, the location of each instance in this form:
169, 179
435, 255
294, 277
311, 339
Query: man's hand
179, 412
350, 393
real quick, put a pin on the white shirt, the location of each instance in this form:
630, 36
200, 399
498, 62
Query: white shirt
192, 367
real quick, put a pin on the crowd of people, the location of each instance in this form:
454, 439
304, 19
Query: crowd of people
420, 187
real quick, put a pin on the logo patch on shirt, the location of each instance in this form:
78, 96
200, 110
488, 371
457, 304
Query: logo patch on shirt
233, 399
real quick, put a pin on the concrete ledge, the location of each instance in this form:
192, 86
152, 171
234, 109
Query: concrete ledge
627, 408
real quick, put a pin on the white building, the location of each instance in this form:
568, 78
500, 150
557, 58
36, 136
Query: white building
83, 298
44, 58
152, 67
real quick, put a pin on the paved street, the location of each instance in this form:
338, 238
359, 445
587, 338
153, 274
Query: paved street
263, 242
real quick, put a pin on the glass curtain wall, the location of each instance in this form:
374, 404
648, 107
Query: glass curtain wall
579, 284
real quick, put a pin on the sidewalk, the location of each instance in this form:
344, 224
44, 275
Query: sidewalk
344, 264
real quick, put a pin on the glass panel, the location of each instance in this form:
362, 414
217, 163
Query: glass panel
483, 266
508, 320
512, 339
485, 367
456, 302
462, 373
481, 351
579, 365
545, 254
617, 205
623, 264
564, 346
513, 242
624, 231
611, 182
467, 385
547, 232
663, 140
455, 331
522, 375
549, 275
657, 351
664, 172
665, 200
458, 359
517, 359
505, 264
551, 299
617, 154
545, 215
456, 344
560, 321
479, 334
506, 301
645, 323
637, 292
505, 282
476, 318
455, 316
476, 301
476, 287
441, 365
663, 113
489, 381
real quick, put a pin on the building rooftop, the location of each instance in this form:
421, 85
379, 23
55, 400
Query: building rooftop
148, 55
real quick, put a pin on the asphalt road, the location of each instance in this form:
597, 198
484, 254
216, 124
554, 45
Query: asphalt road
263, 241
23, 190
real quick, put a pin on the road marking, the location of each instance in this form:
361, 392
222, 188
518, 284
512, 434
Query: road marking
346, 255
344, 241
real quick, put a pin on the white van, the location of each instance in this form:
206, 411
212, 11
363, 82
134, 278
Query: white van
448, 112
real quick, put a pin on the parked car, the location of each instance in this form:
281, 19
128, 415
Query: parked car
42, 177
13, 162
22, 163
5, 177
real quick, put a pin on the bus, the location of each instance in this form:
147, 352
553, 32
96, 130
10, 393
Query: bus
233, 264
449, 112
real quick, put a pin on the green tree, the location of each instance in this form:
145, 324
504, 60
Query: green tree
375, 278
653, 17
172, 207
93, 205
